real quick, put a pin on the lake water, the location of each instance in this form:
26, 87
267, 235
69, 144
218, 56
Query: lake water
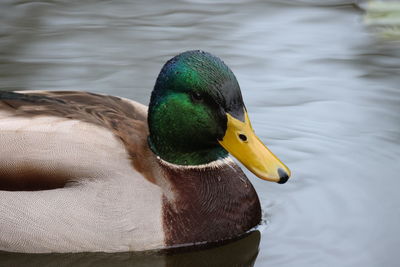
322, 90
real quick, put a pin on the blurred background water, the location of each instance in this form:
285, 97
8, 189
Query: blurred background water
320, 81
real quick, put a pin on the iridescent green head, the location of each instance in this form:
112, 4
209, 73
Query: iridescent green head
197, 115
187, 113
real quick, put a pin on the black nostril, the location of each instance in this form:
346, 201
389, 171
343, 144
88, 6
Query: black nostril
283, 176
243, 137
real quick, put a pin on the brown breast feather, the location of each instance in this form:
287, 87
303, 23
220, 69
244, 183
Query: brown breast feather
210, 204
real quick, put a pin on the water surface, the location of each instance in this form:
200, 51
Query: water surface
322, 90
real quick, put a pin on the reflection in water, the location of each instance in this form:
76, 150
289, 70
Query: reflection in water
321, 90
240, 253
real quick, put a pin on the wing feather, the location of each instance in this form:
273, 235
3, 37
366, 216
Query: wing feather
48, 139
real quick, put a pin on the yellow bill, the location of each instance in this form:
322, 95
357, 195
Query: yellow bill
241, 141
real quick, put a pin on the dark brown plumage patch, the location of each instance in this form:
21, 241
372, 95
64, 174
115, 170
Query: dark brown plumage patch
210, 205
119, 116
30, 178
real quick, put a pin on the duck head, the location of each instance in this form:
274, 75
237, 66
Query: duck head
197, 115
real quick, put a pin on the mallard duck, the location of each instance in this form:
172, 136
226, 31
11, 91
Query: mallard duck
89, 172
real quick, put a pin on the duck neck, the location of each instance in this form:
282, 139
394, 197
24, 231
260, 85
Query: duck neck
185, 154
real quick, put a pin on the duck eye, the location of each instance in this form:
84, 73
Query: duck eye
196, 96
